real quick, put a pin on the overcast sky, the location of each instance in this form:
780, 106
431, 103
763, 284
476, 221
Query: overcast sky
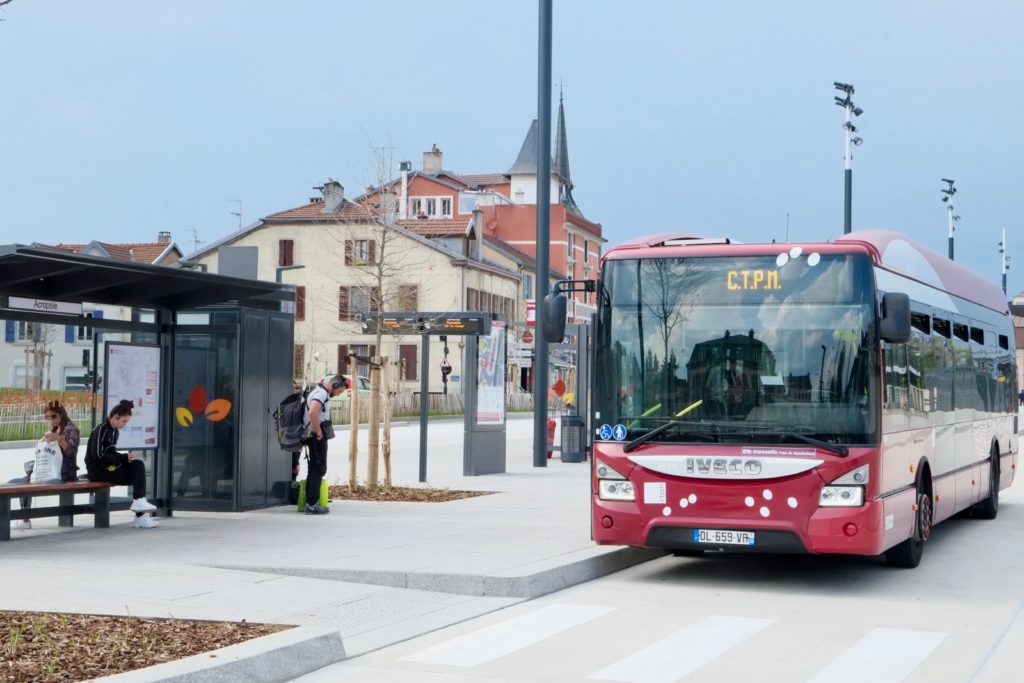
123, 118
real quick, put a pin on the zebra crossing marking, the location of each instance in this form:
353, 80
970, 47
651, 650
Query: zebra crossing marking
686, 650
507, 636
885, 655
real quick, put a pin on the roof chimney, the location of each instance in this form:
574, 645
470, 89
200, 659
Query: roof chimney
163, 237
334, 196
432, 161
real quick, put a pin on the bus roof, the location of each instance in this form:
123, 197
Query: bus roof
890, 250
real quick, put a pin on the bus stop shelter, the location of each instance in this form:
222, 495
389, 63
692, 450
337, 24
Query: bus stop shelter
204, 356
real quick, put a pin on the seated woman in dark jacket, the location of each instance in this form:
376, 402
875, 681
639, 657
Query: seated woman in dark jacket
64, 432
104, 463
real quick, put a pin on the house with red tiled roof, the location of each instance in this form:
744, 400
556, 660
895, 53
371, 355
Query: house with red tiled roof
433, 201
162, 252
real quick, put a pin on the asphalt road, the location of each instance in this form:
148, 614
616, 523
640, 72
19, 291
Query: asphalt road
957, 618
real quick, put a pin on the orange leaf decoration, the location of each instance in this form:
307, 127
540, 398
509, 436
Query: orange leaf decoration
184, 417
218, 409
197, 399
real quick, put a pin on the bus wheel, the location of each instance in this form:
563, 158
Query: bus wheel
989, 508
908, 553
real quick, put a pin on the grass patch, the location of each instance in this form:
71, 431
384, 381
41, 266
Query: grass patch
45, 647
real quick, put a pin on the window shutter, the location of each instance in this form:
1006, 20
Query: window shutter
300, 303
407, 354
372, 253
300, 361
408, 296
373, 353
342, 359
349, 250
374, 300
9, 332
285, 252
343, 299
69, 333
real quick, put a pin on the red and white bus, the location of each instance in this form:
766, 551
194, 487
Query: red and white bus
839, 397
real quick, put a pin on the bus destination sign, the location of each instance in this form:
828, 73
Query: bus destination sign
430, 323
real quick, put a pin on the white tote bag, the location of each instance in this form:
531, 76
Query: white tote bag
48, 461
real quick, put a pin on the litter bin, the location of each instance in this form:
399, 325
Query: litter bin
572, 438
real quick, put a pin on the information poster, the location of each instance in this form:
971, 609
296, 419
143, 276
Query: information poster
133, 373
490, 393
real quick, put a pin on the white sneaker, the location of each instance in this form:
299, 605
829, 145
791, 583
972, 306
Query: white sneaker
145, 522
22, 524
142, 505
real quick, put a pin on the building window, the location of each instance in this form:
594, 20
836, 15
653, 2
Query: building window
415, 207
359, 303
360, 252
84, 332
431, 207
300, 303
24, 331
586, 251
570, 245
298, 369
356, 302
285, 252
527, 286
407, 354
446, 207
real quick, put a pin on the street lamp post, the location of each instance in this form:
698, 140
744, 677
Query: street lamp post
1004, 259
949, 191
850, 140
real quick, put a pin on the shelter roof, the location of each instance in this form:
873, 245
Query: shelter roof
59, 274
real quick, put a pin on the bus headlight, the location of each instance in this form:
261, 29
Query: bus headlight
611, 484
841, 496
615, 489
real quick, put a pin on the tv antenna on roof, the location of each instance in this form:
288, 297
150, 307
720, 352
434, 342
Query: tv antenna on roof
237, 213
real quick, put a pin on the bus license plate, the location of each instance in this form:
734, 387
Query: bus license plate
723, 536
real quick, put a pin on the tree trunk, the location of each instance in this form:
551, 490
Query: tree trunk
372, 461
389, 407
353, 444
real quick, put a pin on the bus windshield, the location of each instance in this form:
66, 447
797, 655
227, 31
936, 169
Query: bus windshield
770, 346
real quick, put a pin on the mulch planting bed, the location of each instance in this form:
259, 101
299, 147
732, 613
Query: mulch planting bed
408, 494
45, 648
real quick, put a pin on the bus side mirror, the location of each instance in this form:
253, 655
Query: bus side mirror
553, 324
894, 325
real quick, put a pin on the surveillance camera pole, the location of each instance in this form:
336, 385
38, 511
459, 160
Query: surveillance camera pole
1004, 259
848, 129
949, 191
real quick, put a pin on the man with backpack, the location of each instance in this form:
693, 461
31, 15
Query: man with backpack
318, 419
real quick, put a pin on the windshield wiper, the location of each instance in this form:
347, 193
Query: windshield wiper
661, 429
839, 450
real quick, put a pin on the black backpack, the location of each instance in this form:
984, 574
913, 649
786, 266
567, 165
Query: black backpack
289, 420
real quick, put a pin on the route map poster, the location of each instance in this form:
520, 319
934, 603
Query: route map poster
490, 392
133, 373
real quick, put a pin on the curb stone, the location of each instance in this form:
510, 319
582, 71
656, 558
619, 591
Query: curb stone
276, 658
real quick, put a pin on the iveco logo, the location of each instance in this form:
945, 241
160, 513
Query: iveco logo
736, 467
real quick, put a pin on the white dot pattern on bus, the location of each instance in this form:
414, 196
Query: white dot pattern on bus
782, 260
813, 259
666, 511
692, 498
767, 493
765, 511
683, 502
749, 501
791, 502
795, 252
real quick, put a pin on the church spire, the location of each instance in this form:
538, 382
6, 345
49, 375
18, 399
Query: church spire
561, 165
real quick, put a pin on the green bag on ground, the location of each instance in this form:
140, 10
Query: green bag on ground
302, 494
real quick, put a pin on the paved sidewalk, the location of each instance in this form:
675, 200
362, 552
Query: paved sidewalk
377, 573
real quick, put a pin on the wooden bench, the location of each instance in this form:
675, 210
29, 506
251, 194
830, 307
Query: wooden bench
65, 511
